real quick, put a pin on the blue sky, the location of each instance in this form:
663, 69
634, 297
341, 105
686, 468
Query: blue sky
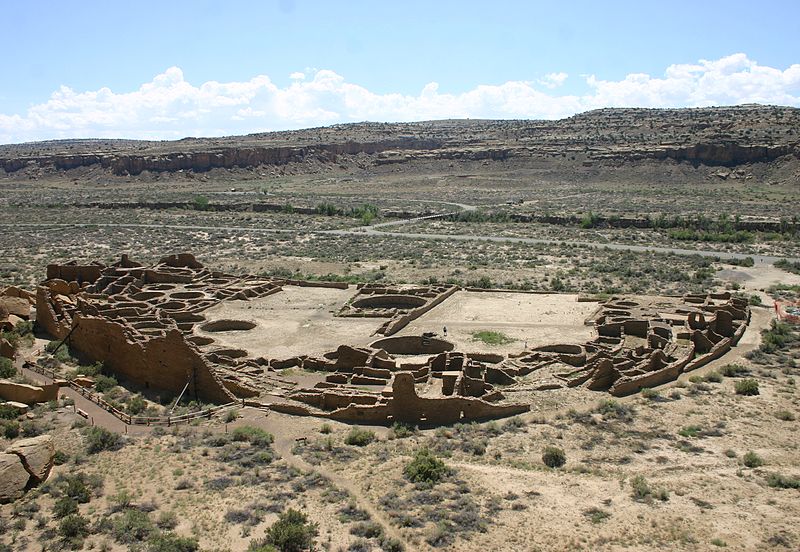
82, 68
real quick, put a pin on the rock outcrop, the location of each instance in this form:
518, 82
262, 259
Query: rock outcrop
25, 464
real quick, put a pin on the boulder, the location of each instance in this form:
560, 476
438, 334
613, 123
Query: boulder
28, 394
6, 349
16, 306
84, 381
13, 478
350, 357
36, 455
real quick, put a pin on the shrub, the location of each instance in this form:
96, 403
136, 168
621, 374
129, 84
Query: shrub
200, 202
230, 416
747, 387
99, 439
7, 369
734, 371
136, 405
401, 430
253, 435
491, 337
103, 384
359, 437
650, 394
75, 487
781, 481
64, 507
642, 490
752, 460
367, 529
554, 457
291, 533
8, 412
785, 415
596, 515
714, 377
425, 468
170, 542
10, 429
73, 528
167, 520
132, 526
326, 429
690, 431
610, 408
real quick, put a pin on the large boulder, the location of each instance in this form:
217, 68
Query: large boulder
17, 306
36, 455
28, 394
6, 349
349, 357
13, 478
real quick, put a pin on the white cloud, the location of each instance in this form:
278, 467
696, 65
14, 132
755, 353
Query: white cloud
171, 107
553, 80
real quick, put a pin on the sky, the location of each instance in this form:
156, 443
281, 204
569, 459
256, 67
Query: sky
174, 68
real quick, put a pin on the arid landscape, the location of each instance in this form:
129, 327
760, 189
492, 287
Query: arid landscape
577, 334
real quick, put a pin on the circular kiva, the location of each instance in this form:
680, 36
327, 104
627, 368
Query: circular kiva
227, 325
413, 345
389, 302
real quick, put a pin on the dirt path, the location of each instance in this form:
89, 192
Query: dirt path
96, 415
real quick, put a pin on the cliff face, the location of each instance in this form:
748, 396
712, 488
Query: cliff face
711, 136
200, 161
728, 154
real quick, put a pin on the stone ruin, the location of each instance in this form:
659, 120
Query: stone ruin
400, 305
142, 323
640, 344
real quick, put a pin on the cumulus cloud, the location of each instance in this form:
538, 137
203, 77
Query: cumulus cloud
170, 107
553, 80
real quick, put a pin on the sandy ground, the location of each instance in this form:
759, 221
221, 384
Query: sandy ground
539, 319
292, 322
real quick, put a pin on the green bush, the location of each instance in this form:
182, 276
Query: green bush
734, 371
643, 492
425, 468
401, 430
8, 412
650, 394
136, 405
253, 435
746, 387
752, 460
291, 533
99, 439
359, 437
491, 337
200, 202
170, 542
7, 369
132, 526
781, 481
73, 528
554, 457
9, 428
64, 507
103, 384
